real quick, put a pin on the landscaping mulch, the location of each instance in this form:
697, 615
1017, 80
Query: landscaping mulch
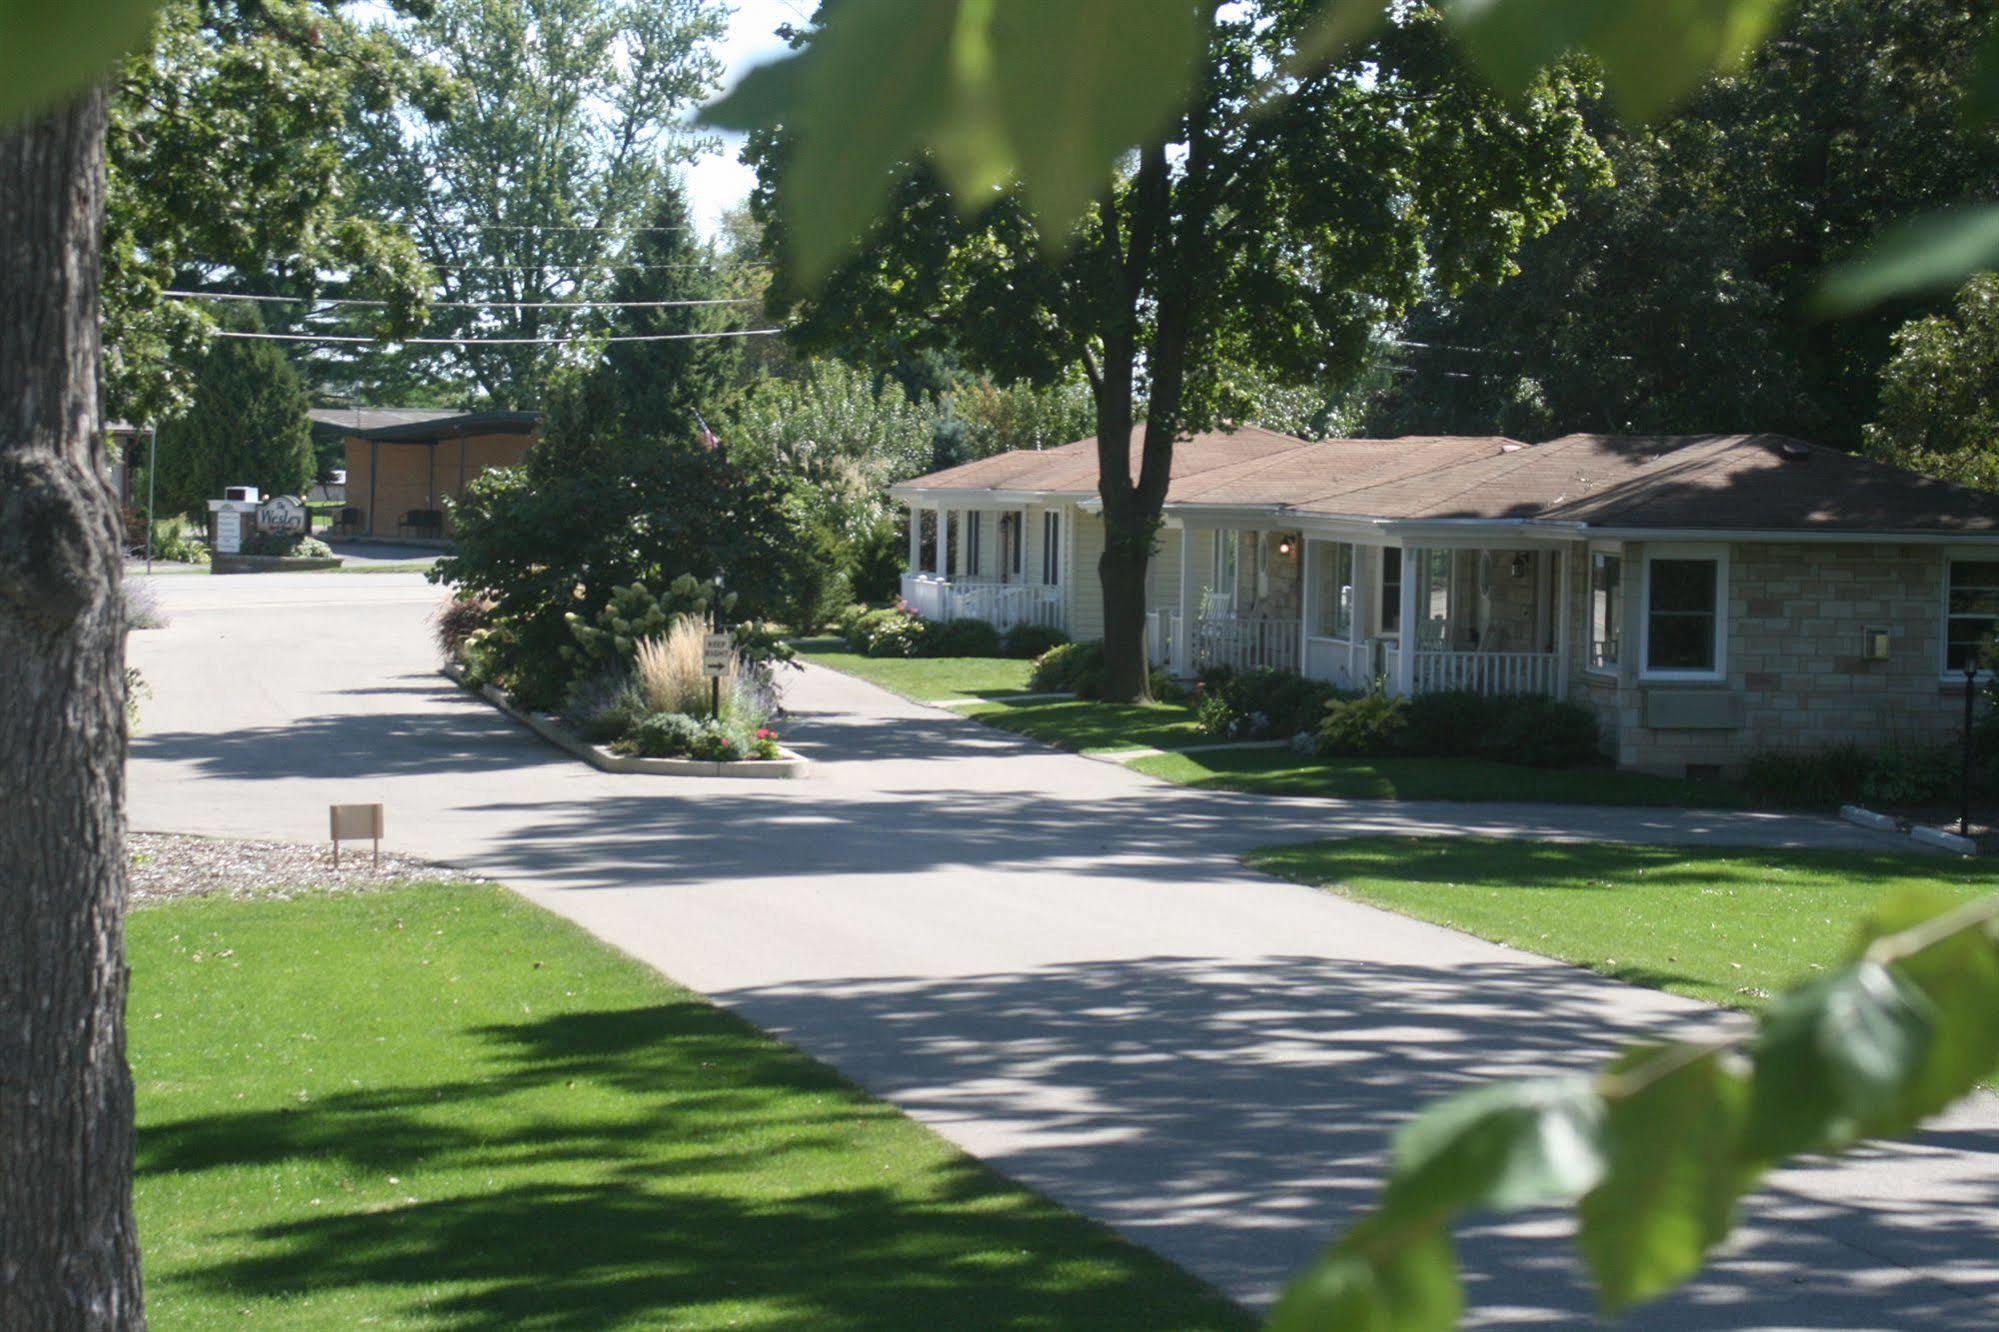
167, 866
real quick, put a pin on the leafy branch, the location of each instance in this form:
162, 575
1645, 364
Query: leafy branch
1656, 1149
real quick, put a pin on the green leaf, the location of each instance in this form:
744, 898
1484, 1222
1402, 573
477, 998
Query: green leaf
1079, 82
1674, 1172
1051, 91
1410, 1284
1834, 1062
1931, 252
1504, 1147
51, 50
1653, 52
1958, 976
1981, 90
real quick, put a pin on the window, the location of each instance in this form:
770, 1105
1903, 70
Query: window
1391, 590
1051, 548
974, 526
1009, 539
1683, 616
1606, 610
1971, 612
1332, 580
1228, 552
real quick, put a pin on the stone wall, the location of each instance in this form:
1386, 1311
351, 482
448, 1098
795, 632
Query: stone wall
1797, 676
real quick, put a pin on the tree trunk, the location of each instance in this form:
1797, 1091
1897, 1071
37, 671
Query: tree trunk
1122, 569
69, 1254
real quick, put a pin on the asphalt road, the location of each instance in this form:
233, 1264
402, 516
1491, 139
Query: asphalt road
1056, 963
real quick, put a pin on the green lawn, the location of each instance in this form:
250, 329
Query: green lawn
925, 679
1281, 772
441, 1108
1095, 727
1727, 927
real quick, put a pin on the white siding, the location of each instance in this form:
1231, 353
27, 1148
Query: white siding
1086, 589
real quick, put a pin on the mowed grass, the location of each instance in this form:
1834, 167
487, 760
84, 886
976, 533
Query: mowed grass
924, 679
439, 1107
1727, 927
1091, 728
1282, 772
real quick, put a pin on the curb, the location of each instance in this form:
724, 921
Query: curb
255, 564
790, 767
1867, 818
1944, 841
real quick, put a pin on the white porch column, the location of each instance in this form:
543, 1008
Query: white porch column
915, 538
1183, 630
1366, 581
1413, 573
943, 542
1564, 581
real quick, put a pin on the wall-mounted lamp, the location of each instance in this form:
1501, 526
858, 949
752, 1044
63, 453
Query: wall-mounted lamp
1874, 644
1520, 565
1285, 545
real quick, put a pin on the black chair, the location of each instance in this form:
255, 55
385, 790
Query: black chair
422, 522
350, 521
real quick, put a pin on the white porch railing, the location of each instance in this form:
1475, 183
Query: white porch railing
1162, 631
1488, 673
1002, 605
1246, 645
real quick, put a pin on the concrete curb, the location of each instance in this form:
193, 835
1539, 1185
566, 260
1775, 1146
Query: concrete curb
949, 703
789, 767
1867, 818
1943, 841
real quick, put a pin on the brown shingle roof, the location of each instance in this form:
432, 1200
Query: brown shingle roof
1693, 482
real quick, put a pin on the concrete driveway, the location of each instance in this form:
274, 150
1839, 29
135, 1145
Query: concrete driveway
1056, 963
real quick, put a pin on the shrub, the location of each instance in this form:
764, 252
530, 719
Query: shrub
1542, 732
961, 638
1253, 705
178, 540
669, 673
1807, 778
819, 585
660, 735
634, 613
888, 633
1910, 775
1066, 668
849, 620
1449, 723
1028, 641
457, 619
290, 544
1370, 724
605, 707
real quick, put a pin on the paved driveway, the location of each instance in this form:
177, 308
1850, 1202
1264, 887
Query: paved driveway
1054, 962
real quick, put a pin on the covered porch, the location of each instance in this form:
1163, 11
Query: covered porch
1488, 616
1005, 564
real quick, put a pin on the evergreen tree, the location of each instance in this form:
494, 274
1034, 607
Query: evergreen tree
246, 425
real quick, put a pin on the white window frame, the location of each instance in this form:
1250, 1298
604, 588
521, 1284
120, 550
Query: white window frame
1589, 610
1956, 555
1228, 542
1318, 592
1718, 554
1051, 548
1382, 600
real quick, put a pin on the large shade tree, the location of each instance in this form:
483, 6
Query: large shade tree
1266, 227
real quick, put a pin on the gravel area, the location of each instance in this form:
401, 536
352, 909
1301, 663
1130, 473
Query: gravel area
165, 866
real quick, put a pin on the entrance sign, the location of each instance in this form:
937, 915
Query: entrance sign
285, 515
716, 654
228, 531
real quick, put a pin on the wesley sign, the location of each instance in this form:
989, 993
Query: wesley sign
285, 515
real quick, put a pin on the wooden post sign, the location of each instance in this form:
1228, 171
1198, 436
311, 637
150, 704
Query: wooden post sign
354, 822
715, 654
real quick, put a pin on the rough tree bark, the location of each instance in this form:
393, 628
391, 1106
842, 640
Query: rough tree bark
69, 1255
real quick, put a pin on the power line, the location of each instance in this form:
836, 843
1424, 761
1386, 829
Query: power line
498, 342
460, 305
602, 265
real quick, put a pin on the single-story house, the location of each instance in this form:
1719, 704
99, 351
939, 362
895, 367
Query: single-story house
1708, 596
403, 463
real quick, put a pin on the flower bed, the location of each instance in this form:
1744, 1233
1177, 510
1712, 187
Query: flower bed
782, 764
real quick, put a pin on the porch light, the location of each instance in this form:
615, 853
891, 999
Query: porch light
1285, 545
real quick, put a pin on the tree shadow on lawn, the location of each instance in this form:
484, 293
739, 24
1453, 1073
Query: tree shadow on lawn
731, 1180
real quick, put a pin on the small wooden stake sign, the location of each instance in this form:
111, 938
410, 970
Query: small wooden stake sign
354, 822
